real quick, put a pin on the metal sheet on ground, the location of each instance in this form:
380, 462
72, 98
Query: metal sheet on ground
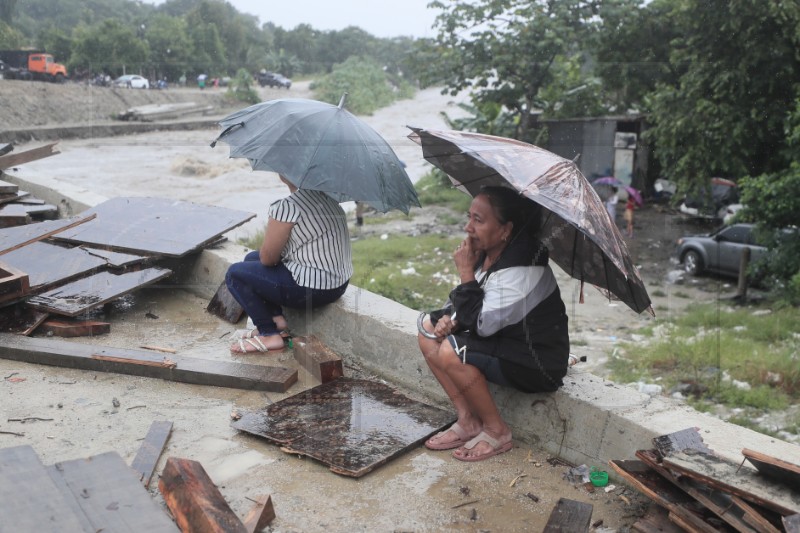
85, 294
352, 425
48, 265
154, 225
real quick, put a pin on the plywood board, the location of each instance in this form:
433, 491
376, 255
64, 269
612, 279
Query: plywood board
93, 291
352, 425
656, 520
13, 215
8, 187
13, 238
73, 328
115, 259
792, 523
56, 352
729, 477
110, 495
685, 439
14, 283
48, 265
30, 500
13, 197
159, 226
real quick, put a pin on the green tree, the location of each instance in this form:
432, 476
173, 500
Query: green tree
170, 46
10, 38
504, 50
7, 9
738, 73
365, 82
110, 47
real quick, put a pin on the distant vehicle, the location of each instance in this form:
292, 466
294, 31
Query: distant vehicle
712, 203
720, 251
32, 65
132, 81
273, 79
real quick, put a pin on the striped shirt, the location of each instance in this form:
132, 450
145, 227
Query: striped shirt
318, 252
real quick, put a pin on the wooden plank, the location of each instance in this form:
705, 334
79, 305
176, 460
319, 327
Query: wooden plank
6, 148
93, 291
224, 305
729, 477
260, 515
13, 215
792, 523
15, 197
656, 520
757, 517
685, 439
194, 500
717, 502
14, 283
34, 154
30, 500
569, 516
110, 495
115, 259
79, 328
8, 187
13, 238
317, 358
147, 457
56, 352
678, 503
48, 265
156, 226
775, 468
36, 211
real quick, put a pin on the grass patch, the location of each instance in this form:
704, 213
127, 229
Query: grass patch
658, 293
681, 294
417, 272
737, 356
434, 188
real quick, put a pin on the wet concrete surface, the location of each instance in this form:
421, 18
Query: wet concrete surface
88, 413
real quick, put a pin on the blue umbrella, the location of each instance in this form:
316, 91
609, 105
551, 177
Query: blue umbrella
321, 147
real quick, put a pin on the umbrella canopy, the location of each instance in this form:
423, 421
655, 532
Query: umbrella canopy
574, 226
322, 147
600, 185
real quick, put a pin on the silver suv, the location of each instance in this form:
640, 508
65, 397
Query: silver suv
720, 251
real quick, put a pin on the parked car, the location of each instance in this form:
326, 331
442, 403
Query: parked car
720, 251
273, 79
132, 81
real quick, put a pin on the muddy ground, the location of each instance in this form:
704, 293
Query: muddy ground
419, 491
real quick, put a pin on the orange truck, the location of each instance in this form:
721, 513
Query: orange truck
32, 65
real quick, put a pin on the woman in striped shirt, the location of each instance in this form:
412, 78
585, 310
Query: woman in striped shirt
305, 260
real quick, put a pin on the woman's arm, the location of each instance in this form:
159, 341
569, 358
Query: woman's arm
276, 235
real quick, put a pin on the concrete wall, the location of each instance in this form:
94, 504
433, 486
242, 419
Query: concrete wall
589, 420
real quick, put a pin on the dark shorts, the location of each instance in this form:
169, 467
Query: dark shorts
507, 373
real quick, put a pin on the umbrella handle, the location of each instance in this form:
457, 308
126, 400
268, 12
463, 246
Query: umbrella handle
421, 327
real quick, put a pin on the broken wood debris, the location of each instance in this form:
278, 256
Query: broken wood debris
147, 457
193, 499
317, 358
569, 515
701, 491
19, 158
155, 112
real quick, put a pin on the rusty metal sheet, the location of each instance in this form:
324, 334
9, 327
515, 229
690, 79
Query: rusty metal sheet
352, 425
48, 265
158, 226
85, 294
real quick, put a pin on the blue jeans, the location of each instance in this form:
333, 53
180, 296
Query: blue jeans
262, 290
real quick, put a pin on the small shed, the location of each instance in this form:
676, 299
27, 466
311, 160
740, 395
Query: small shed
604, 146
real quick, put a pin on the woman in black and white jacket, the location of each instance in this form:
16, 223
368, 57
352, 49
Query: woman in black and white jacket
504, 323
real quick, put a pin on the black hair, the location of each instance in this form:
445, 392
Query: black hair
510, 206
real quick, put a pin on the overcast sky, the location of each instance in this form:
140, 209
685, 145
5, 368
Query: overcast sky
381, 18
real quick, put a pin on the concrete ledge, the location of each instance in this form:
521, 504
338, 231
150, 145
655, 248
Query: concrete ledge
589, 420
105, 129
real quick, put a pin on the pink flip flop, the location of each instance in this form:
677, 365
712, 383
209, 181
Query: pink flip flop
497, 448
462, 435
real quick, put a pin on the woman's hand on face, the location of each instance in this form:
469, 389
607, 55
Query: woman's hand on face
465, 257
